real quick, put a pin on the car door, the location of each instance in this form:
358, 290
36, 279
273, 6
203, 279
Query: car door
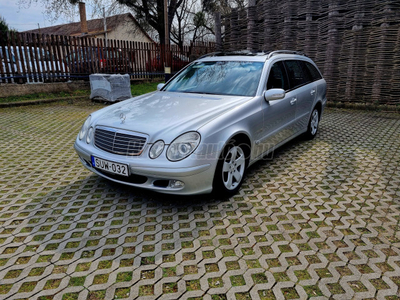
305, 91
278, 115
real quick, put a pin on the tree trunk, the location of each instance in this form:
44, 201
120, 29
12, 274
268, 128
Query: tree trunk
218, 36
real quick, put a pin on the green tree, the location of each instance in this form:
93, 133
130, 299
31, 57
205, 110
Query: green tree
4, 29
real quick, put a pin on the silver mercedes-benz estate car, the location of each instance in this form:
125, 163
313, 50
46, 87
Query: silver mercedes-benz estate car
200, 131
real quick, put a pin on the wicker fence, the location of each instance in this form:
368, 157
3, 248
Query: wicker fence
356, 44
49, 58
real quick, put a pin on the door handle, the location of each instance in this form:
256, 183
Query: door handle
312, 92
293, 101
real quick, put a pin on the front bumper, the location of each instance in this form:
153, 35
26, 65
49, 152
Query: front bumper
196, 176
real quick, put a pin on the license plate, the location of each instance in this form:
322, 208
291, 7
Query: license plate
110, 166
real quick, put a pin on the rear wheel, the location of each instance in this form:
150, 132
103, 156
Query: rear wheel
313, 124
230, 170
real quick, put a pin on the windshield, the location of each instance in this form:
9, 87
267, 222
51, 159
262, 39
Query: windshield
219, 78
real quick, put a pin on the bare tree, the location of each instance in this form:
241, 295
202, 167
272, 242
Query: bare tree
153, 12
188, 20
56, 9
150, 11
191, 23
223, 6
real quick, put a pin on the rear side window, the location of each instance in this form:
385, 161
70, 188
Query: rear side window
297, 72
314, 73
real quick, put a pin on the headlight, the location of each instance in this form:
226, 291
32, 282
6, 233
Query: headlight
89, 135
156, 149
183, 146
84, 128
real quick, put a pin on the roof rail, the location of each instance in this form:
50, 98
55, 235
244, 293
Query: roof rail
237, 52
284, 52
211, 54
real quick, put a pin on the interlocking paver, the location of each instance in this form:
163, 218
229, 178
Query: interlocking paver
320, 220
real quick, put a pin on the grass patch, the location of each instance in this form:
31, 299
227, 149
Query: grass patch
281, 276
171, 287
146, 290
290, 293
266, 295
124, 276
70, 296
44, 258
215, 282
77, 281
169, 272
27, 287
253, 263
243, 296
313, 291
121, 293
219, 297
335, 288
52, 284
59, 269
193, 285
259, 278
126, 262
100, 279
36, 271
232, 265
237, 280
136, 90
147, 274
94, 295
188, 256
211, 268
192, 269
147, 260
228, 252
143, 88
12, 274
40, 96
5, 288
83, 267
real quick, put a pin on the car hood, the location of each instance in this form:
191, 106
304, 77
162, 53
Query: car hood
165, 115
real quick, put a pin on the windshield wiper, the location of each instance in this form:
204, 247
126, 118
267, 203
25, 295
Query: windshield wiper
202, 93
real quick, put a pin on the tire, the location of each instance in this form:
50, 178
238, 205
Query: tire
313, 123
231, 169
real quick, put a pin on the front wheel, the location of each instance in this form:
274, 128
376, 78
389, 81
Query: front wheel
230, 170
313, 124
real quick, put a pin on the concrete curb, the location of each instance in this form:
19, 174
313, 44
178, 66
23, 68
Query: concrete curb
364, 106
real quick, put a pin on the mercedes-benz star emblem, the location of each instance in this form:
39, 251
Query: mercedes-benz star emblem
122, 117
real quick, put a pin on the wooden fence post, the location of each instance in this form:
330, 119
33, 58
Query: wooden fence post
251, 26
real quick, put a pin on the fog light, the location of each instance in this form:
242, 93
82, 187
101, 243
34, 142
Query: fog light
176, 184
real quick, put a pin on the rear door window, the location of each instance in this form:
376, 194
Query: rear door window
297, 73
314, 73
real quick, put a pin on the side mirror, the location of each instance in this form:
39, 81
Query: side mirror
160, 86
274, 94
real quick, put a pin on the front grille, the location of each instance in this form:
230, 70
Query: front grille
118, 141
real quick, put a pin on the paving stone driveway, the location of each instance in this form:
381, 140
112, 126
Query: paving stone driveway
320, 220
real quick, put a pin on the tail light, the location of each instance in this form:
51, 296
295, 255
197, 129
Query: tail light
102, 63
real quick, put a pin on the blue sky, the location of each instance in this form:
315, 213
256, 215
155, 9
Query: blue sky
22, 18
